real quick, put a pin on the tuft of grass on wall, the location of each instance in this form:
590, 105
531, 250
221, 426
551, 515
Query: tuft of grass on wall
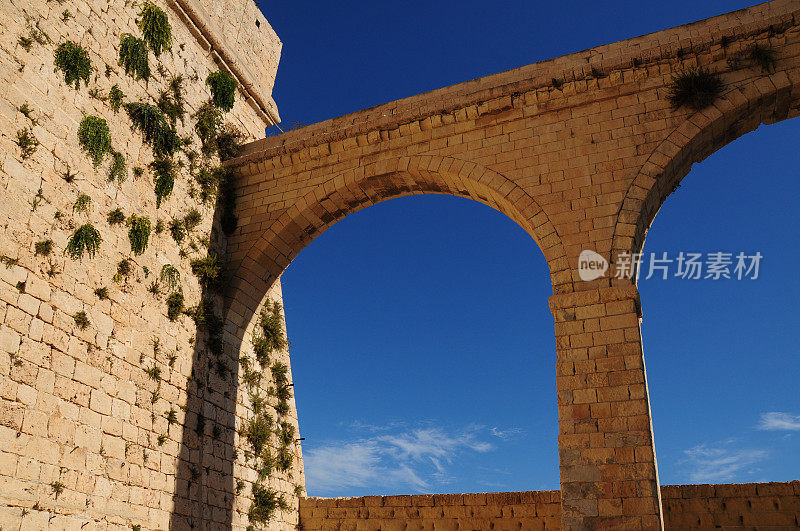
85, 239
133, 57
155, 128
155, 27
94, 138
74, 63
695, 88
116, 98
174, 305
27, 142
118, 171
223, 89
138, 233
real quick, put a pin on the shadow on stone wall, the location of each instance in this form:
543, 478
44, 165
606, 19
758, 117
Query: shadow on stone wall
205, 486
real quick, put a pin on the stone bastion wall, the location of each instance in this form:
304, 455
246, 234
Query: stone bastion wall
114, 414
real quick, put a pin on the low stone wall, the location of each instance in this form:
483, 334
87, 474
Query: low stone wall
761, 505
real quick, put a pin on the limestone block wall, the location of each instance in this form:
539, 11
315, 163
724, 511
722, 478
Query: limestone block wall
735, 506
85, 438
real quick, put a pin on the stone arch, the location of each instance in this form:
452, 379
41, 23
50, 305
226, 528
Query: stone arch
740, 110
354, 190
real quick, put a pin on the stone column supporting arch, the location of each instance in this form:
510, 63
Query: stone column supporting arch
609, 477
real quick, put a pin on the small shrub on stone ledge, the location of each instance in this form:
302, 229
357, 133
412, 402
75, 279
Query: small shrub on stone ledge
208, 123
116, 217
171, 277
133, 57
27, 142
74, 63
764, 57
258, 431
223, 89
81, 320
85, 239
138, 233
94, 138
174, 305
164, 172
118, 172
155, 128
155, 28
116, 98
265, 502
695, 88
44, 248
208, 270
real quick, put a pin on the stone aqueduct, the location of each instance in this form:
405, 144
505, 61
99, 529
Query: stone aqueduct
581, 151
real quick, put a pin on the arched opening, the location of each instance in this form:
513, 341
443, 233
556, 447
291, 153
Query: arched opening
721, 356
422, 353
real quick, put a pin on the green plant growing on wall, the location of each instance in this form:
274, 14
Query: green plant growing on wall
57, 487
85, 239
695, 88
764, 57
116, 98
171, 416
286, 433
94, 138
124, 268
171, 277
44, 248
154, 127
155, 28
82, 204
265, 502
101, 293
21, 286
283, 461
81, 320
74, 63
154, 372
138, 233
174, 305
133, 57
268, 335
36, 33
25, 42
223, 89
27, 142
162, 439
207, 183
25, 110
208, 270
116, 217
192, 219
118, 171
258, 431
171, 102
177, 230
164, 171
229, 142
138, 171
208, 123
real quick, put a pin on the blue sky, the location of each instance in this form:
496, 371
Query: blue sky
422, 344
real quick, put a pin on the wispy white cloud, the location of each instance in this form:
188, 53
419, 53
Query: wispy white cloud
415, 459
777, 421
721, 462
506, 434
